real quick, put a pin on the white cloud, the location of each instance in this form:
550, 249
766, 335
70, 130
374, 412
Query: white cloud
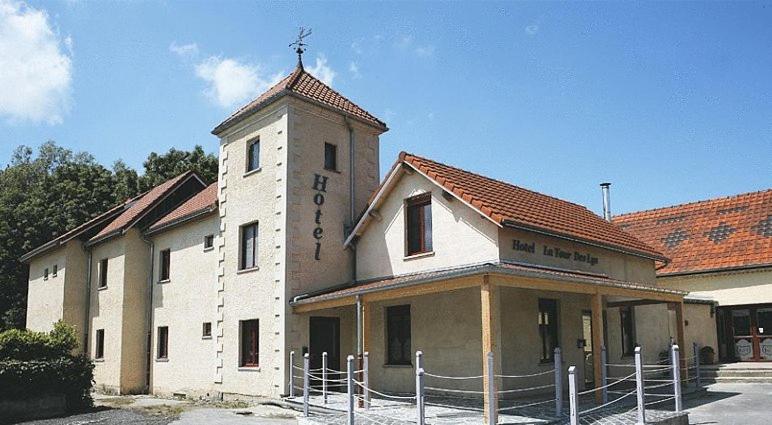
353, 67
532, 29
424, 51
322, 71
189, 50
231, 82
35, 66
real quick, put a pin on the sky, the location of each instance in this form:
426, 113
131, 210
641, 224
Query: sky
671, 102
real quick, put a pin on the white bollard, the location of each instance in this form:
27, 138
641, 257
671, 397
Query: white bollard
324, 377
573, 397
558, 382
366, 378
305, 385
350, 388
419, 388
676, 377
697, 379
604, 373
292, 374
639, 386
493, 414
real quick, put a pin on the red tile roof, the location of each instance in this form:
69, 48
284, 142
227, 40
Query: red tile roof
202, 202
722, 233
510, 205
305, 85
139, 205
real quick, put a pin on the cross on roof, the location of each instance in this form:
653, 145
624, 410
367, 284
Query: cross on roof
300, 45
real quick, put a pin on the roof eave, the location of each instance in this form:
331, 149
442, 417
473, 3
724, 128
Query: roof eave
153, 230
718, 270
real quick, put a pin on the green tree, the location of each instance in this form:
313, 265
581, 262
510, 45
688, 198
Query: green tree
159, 168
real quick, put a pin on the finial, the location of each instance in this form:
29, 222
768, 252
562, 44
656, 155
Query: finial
299, 45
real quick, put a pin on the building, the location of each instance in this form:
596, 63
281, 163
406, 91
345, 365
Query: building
721, 250
205, 290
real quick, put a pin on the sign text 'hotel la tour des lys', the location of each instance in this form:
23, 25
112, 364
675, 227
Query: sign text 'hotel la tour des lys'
553, 251
320, 186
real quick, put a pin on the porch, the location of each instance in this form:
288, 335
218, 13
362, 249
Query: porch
517, 312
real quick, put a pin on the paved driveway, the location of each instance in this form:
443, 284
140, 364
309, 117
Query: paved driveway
732, 404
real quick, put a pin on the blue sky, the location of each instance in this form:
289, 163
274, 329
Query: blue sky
672, 102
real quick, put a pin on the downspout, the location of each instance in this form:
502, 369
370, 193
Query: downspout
351, 215
87, 321
149, 319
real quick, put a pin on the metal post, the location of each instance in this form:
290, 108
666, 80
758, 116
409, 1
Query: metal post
350, 388
573, 398
419, 388
604, 373
677, 377
366, 378
305, 385
639, 386
558, 382
697, 379
292, 374
492, 412
324, 377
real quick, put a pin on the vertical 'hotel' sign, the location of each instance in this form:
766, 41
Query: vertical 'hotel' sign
320, 186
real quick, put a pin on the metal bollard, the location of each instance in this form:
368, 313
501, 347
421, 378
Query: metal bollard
639, 387
350, 388
677, 377
604, 374
292, 374
573, 398
558, 382
324, 377
305, 385
697, 379
419, 388
493, 414
366, 378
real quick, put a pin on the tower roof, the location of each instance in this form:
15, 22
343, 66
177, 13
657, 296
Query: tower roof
302, 84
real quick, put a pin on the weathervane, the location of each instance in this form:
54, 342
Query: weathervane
300, 45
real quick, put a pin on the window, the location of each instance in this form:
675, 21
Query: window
166, 260
248, 246
330, 157
100, 344
249, 343
103, 273
45, 274
207, 330
56, 270
163, 342
398, 334
208, 241
548, 328
626, 318
253, 155
419, 224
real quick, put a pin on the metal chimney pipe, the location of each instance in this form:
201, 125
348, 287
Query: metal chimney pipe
604, 187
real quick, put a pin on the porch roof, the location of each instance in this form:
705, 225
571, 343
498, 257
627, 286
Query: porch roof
573, 281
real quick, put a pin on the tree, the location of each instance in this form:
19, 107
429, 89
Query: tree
126, 181
159, 168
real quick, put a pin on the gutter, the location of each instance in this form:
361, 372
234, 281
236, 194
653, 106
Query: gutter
87, 324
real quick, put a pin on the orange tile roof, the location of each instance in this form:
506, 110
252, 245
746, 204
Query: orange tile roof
511, 205
722, 233
305, 85
139, 206
203, 201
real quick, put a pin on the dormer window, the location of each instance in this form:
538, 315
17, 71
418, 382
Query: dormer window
419, 224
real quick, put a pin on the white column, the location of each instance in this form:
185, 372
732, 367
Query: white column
305, 384
350, 388
697, 379
558, 382
366, 378
604, 373
292, 374
419, 388
639, 387
573, 398
493, 416
324, 377
676, 377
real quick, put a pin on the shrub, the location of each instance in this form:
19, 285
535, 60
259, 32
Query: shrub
39, 363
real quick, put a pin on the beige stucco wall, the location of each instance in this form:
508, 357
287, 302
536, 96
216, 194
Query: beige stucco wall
184, 303
76, 289
45, 298
700, 327
460, 236
736, 288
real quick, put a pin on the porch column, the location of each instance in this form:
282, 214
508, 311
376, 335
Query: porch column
597, 342
680, 339
489, 299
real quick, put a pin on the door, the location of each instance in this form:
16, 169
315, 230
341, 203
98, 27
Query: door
752, 333
324, 337
743, 334
764, 333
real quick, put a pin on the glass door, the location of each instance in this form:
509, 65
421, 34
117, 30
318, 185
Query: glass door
742, 331
764, 332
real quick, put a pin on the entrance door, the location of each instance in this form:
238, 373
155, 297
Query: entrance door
752, 333
764, 332
743, 334
589, 367
324, 337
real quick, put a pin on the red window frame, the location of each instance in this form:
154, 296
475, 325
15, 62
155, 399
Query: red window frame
418, 224
250, 343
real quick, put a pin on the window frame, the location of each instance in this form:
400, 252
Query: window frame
251, 144
551, 329
208, 239
332, 149
247, 329
423, 204
55, 270
45, 273
398, 315
102, 275
206, 330
165, 265
243, 247
99, 344
162, 349
627, 313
